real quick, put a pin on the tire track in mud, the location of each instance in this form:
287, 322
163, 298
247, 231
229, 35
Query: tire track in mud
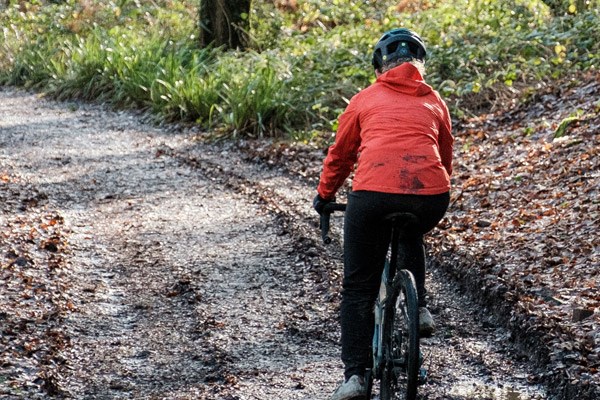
183, 287
470, 357
310, 325
200, 275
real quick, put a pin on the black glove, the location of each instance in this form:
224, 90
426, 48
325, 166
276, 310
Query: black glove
319, 203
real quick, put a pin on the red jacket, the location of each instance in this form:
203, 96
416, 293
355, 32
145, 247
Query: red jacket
399, 131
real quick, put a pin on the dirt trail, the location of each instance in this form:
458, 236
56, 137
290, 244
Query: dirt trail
196, 274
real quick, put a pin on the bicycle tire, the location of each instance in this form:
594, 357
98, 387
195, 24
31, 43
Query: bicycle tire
400, 374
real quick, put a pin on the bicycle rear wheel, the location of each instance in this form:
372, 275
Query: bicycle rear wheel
400, 375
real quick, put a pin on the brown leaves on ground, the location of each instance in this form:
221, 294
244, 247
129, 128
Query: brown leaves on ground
525, 221
523, 227
34, 297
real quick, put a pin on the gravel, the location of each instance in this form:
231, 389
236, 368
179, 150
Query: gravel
195, 271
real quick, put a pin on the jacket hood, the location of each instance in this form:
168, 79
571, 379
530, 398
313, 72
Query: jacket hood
406, 79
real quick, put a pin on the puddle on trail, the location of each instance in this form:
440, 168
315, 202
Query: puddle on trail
479, 391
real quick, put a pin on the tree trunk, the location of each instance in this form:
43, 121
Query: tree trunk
224, 23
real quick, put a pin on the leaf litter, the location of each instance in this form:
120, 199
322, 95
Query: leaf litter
524, 226
35, 296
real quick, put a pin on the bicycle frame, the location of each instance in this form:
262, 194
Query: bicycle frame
387, 277
379, 311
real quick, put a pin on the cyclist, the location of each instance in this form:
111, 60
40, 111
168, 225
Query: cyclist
398, 133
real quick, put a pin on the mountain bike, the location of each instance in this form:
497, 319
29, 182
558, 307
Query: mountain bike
395, 351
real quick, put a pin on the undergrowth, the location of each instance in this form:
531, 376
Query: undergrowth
304, 64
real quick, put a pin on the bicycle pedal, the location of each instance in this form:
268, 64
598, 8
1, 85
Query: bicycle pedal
422, 376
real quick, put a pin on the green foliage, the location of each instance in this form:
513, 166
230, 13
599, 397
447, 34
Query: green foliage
306, 63
260, 96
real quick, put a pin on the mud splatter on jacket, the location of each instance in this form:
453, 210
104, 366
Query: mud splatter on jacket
398, 133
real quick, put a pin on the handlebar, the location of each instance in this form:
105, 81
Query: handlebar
325, 216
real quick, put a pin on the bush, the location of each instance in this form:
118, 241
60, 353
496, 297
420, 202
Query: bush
305, 64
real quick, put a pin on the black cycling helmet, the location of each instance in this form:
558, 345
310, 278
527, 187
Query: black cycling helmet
398, 45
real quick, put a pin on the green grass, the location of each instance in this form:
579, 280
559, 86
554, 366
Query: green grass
303, 67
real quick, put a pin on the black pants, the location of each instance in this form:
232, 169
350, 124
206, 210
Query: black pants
366, 240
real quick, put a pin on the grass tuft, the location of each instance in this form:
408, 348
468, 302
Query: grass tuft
306, 64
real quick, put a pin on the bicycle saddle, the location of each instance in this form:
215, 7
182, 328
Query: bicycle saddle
404, 220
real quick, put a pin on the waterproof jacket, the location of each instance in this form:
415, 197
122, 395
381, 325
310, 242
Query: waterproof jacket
398, 132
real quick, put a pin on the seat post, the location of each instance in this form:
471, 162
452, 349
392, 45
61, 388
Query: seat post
394, 252
401, 223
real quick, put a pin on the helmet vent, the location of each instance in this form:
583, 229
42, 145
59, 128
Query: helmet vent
398, 44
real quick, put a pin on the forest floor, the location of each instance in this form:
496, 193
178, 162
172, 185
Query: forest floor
140, 262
